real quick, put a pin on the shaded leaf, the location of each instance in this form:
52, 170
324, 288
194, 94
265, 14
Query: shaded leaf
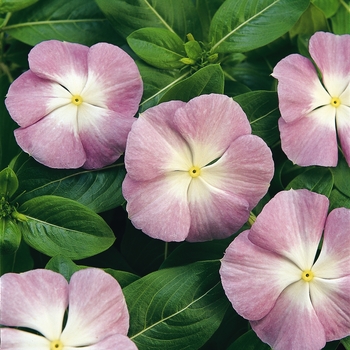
248, 341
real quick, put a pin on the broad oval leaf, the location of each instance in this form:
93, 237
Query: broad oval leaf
177, 16
176, 308
99, 190
209, 79
14, 5
57, 225
244, 25
79, 21
248, 341
158, 47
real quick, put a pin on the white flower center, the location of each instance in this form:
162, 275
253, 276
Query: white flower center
335, 101
307, 275
77, 100
194, 171
56, 345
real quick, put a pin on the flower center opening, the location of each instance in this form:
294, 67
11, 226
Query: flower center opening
56, 345
77, 100
195, 171
335, 101
307, 275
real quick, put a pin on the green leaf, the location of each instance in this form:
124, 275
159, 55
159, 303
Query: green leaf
99, 190
346, 343
66, 21
10, 236
57, 225
248, 341
328, 7
261, 108
341, 20
341, 175
241, 25
177, 16
176, 308
14, 5
319, 180
209, 79
158, 47
338, 200
156, 83
8, 183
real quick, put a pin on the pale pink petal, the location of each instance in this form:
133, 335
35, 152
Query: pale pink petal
331, 54
114, 81
253, 278
36, 299
103, 134
331, 301
159, 207
31, 98
334, 259
97, 308
114, 342
53, 141
14, 339
343, 128
292, 323
291, 225
215, 214
154, 147
62, 62
245, 169
299, 88
311, 140
209, 123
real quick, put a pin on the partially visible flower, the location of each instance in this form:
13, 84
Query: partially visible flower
314, 113
273, 276
37, 300
76, 104
194, 171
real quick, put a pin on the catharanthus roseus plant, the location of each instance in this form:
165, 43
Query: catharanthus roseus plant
274, 277
194, 170
37, 300
315, 112
75, 106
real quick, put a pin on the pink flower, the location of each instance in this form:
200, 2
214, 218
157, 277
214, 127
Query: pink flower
273, 277
97, 317
76, 104
314, 113
194, 171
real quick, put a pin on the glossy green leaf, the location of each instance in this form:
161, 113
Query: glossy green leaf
158, 47
248, 341
66, 21
341, 175
261, 108
10, 236
14, 5
8, 183
57, 225
176, 308
338, 199
241, 25
99, 190
209, 79
346, 343
177, 16
319, 180
328, 7
341, 20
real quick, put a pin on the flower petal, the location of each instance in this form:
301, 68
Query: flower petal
62, 62
14, 339
209, 123
215, 214
36, 299
331, 54
53, 141
343, 128
159, 207
245, 169
292, 323
154, 147
114, 342
253, 278
291, 225
114, 81
311, 140
103, 134
97, 308
334, 259
299, 89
